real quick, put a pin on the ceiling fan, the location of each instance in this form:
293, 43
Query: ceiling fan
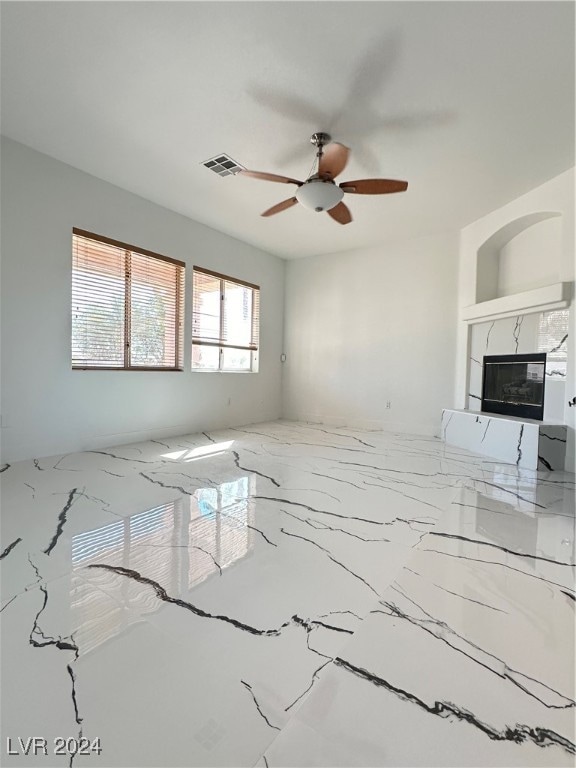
320, 192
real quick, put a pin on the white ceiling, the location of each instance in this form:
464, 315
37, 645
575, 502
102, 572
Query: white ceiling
471, 102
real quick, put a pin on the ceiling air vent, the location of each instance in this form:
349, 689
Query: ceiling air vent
223, 165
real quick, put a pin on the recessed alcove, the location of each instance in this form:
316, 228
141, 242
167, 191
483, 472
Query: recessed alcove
521, 256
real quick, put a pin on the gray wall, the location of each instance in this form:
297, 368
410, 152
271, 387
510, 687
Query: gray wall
47, 407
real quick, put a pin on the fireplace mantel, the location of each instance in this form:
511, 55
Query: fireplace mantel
555, 296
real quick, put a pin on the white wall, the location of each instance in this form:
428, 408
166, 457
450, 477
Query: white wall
48, 408
370, 326
531, 259
557, 196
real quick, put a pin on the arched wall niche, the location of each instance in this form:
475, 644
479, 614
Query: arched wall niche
523, 254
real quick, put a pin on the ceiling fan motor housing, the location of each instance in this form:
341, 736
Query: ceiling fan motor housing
319, 194
320, 139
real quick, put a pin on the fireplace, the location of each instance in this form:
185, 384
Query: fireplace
514, 385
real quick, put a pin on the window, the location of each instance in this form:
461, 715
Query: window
552, 339
225, 323
127, 306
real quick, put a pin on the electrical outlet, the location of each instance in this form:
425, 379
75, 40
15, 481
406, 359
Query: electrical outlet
388, 404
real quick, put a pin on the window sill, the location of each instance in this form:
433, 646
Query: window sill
214, 370
220, 370
111, 368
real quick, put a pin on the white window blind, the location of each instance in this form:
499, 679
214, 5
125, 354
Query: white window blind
225, 322
127, 306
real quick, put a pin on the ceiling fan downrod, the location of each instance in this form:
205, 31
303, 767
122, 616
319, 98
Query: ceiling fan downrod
320, 140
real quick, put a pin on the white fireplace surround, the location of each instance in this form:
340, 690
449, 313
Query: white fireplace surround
525, 442
517, 263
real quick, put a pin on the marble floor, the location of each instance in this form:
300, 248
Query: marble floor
286, 594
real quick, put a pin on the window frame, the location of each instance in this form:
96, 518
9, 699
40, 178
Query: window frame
220, 345
179, 305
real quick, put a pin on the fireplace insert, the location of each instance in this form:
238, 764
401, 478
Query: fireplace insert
514, 385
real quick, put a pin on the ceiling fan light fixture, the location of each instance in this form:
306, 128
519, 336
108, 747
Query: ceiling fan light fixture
319, 195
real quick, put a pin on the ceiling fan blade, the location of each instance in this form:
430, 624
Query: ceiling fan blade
270, 177
284, 205
374, 186
340, 213
334, 159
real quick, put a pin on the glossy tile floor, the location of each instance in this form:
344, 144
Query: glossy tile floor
287, 595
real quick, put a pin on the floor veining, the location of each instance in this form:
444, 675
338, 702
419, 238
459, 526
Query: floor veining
286, 594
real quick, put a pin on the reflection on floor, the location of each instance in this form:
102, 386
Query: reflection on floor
179, 544
286, 595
